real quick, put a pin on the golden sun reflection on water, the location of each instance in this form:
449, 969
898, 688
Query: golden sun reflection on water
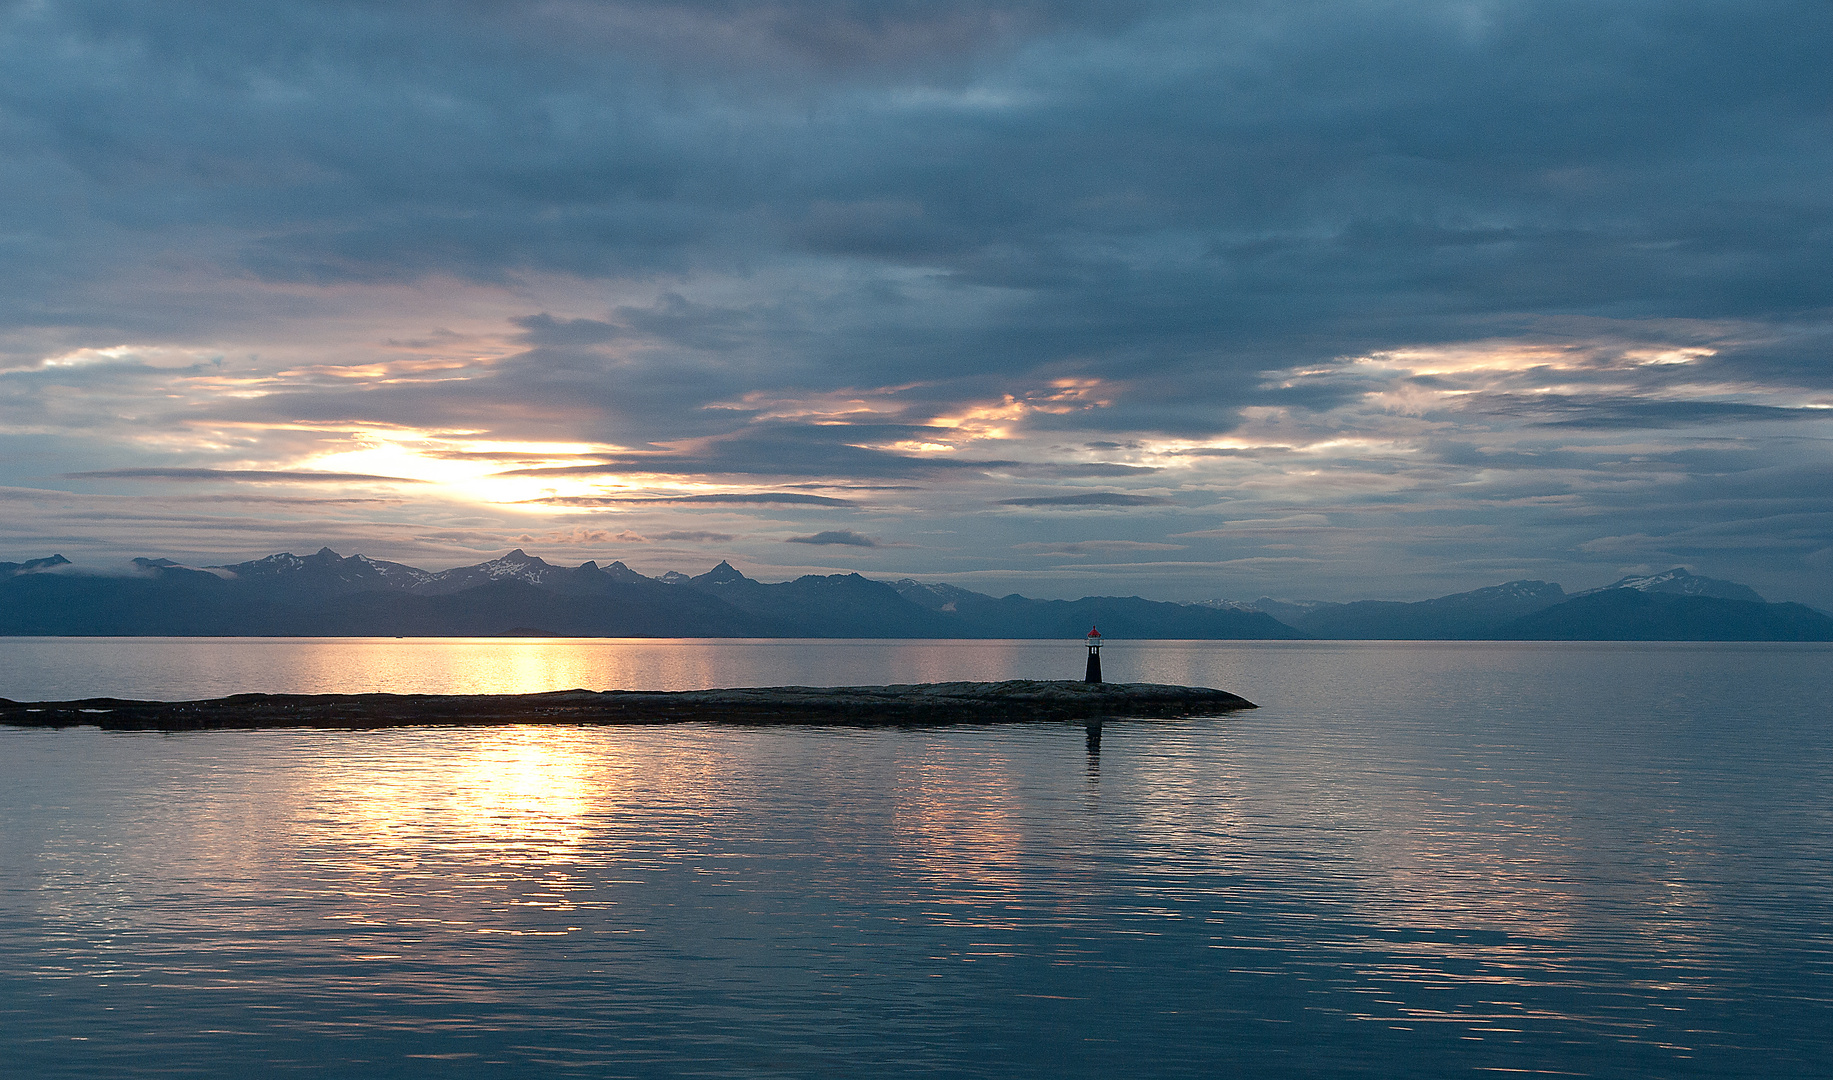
521, 793
523, 780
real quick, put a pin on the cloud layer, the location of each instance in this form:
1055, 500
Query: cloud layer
1303, 298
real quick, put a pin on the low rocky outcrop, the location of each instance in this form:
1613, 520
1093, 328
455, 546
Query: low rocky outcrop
1017, 700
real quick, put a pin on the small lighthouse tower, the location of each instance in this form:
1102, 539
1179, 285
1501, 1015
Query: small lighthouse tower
1094, 656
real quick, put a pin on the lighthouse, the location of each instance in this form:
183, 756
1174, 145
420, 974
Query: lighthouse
1094, 656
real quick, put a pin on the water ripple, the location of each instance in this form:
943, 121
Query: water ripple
1412, 860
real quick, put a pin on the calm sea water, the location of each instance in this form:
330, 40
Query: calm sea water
1607, 860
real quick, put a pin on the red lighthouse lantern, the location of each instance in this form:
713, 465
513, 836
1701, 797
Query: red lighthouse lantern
1094, 656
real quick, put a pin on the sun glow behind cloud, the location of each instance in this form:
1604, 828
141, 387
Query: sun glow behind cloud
152, 356
956, 425
472, 470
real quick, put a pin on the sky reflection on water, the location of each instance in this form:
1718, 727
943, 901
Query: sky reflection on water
173, 669
1411, 861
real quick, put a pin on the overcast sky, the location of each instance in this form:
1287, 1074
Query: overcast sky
1311, 299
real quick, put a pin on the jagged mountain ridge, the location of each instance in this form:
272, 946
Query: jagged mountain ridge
32, 566
328, 594
517, 593
326, 569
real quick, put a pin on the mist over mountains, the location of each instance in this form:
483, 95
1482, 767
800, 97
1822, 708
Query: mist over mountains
326, 594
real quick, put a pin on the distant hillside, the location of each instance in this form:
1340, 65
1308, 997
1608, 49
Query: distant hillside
1670, 606
1631, 614
1461, 615
1117, 616
519, 594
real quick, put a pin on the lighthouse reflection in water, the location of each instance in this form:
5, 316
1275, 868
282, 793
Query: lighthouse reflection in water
1411, 860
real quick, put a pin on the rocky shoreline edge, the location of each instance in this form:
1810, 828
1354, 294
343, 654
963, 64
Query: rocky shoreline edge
1015, 701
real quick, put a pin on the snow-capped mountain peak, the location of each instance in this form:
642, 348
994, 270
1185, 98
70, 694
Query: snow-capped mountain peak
723, 574
392, 573
1680, 582
518, 565
936, 596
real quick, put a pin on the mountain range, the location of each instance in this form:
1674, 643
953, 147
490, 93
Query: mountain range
519, 594
1674, 605
326, 594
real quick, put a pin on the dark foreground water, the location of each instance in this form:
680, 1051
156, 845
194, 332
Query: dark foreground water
1608, 860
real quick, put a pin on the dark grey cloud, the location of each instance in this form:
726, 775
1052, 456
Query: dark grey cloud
1098, 547
248, 475
1232, 451
843, 537
544, 329
695, 535
1586, 160
839, 486
792, 450
1099, 498
762, 498
630, 536
1665, 414
1091, 468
